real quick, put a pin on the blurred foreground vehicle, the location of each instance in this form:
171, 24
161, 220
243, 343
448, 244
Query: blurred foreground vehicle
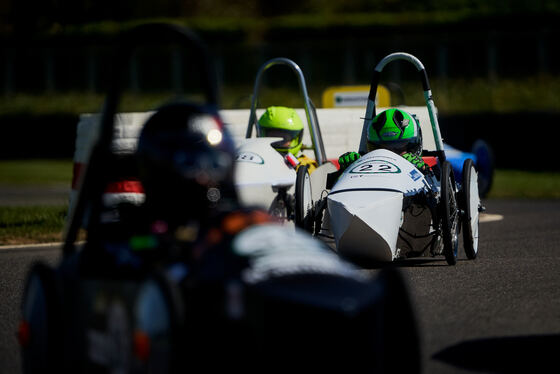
187, 280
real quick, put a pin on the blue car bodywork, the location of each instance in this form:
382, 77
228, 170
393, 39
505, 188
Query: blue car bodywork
481, 154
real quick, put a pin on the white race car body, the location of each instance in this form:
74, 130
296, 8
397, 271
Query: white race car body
263, 178
366, 210
260, 172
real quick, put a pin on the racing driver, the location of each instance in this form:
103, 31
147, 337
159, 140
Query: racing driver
285, 123
395, 130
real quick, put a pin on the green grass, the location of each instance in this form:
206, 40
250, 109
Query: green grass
71, 103
533, 93
35, 172
536, 93
31, 224
525, 184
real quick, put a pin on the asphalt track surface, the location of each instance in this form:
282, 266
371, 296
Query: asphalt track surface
497, 314
32, 195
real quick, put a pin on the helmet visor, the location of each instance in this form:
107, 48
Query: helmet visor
290, 138
399, 146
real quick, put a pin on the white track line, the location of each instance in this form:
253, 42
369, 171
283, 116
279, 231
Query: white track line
32, 246
485, 217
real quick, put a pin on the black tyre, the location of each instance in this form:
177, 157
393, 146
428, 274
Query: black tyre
40, 329
470, 205
303, 200
449, 214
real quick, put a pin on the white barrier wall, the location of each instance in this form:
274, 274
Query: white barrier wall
340, 128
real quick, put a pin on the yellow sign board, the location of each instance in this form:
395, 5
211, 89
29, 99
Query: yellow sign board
354, 96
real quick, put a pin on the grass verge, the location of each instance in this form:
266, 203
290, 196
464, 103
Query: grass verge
525, 184
31, 224
35, 172
532, 93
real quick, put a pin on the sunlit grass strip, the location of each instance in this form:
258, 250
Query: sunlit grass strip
536, 93
35, 172
31, 224
525, 184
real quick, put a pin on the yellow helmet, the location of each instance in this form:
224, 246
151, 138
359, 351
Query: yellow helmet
282, 122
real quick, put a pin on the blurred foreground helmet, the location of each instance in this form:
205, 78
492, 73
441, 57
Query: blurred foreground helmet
282, 122
395, 130
185, 160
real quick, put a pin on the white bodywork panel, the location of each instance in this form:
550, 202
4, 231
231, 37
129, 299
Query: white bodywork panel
260, 171
381, 169
365, 205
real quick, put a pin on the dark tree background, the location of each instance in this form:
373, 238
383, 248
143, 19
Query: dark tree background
29, 16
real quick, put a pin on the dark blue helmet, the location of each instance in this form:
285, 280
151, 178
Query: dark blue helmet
185, 160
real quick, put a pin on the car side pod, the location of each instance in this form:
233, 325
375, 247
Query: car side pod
260, 172
365, 224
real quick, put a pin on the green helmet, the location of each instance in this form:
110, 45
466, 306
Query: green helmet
282, 122
395, 130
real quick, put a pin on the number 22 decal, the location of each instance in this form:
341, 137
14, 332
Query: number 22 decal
375, 167
249, 157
